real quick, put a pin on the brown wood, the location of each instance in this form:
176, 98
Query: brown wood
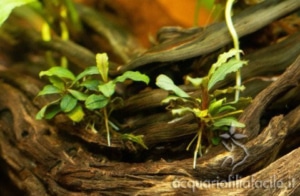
59, 158
40, 155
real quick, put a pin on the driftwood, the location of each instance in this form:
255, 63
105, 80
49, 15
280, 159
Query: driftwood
205, 41
58, 158
210, 39
39, 154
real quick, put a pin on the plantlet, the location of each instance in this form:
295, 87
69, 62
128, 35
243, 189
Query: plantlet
85, 93
214, 114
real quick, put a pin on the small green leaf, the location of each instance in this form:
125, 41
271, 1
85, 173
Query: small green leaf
164, 82
228, 121
57, 82
60, 72
91, 84
173, 98
133, 75
223, 58
40, 115
196, 81
68, 103
96, 102
228, 90
226, 108
52, 111
78, 95
215, 105
181, 111
135, 138
93, 70
108, 89
6, 6
216, 140
48, 111
49, 89
102, 65
200, 113
232, 65
77, 114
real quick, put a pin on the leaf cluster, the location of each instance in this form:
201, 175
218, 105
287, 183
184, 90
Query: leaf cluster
91, 90
82, 92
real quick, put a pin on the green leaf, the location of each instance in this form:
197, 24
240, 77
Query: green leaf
78, 95
48, 111
226, 108
133, 75
164, 82
96, 102
196, 81
228, 121
181, 111
228, 90
60, 72
52, 111
6, 6
108, 89
215, 105
223, 58
91, 84
216, 140
77, 114
232, 65
57, 82
49, 89
40, 115
68, 103
173, 98
93, 70
102, 65
200, 113
135, 138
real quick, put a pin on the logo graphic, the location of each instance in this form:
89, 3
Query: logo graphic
230, 143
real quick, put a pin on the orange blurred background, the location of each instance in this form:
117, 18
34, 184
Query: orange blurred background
145, 17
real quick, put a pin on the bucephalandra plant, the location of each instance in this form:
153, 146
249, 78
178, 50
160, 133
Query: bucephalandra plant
77, 95
212, 111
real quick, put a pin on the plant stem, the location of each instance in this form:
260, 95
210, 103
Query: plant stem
191, 142
198, 146
106, 122
235, 38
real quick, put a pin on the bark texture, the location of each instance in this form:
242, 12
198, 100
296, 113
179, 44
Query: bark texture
59, 158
